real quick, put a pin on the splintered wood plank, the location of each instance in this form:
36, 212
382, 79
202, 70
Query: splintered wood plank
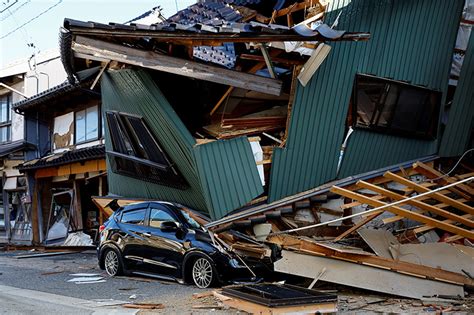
453, 238
187, 68
420, 189
403, 212
462, 190
417, 203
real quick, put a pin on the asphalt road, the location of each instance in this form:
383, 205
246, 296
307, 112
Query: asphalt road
50, 275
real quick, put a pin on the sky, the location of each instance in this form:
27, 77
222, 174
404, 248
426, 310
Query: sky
23, 22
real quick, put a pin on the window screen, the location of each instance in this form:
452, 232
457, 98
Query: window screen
134, 217
395, 107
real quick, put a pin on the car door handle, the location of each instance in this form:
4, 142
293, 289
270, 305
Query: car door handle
146, 234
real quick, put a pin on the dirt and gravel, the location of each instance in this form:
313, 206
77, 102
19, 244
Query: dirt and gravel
51, 275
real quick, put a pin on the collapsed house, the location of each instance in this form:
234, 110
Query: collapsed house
276, 123
227, 137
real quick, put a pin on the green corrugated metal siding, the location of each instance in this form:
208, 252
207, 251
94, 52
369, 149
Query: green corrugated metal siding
460, 123
135, 93
220, 161
219, 170
412, 40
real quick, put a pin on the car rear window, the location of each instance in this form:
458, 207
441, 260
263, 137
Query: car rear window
134, 217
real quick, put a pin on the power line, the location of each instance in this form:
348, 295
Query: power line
10, 13
31, 20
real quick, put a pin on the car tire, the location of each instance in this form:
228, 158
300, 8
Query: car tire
203, 272
112, 262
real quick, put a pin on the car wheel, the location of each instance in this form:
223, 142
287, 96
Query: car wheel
203, 273
112, 262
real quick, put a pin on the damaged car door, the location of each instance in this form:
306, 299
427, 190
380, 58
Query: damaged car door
133, 237
165, 251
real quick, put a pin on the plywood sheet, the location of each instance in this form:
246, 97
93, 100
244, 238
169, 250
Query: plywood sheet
379, 241
364, 277
437, 255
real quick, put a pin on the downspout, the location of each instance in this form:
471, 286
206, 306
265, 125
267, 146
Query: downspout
37, 114
343, 149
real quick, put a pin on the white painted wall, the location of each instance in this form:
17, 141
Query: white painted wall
49, 72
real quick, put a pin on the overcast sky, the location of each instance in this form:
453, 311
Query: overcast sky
37, 21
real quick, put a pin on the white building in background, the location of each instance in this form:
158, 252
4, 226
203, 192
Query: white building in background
19, 80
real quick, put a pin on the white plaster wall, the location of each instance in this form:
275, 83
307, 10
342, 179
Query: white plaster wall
50, 73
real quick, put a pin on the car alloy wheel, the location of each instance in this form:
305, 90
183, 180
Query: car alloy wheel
112, 263
202, 273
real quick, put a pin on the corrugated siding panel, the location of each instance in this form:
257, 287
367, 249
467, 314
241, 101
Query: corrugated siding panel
228, 174
222, 175
460, 123
134, 92
412, 40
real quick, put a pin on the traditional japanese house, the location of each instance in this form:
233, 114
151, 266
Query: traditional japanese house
66, 125
21, 79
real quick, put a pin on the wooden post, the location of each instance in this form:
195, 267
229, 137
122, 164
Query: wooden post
35, 208
77, 205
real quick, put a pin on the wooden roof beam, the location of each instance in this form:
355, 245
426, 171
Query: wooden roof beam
417, 203
403, 212
462, 190
420, 189
148, 59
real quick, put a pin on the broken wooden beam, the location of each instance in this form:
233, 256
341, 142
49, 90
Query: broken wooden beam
420, 189
148, 59
403, 212
462, 190
421, 205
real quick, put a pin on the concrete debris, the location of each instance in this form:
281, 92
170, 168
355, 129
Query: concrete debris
78, 239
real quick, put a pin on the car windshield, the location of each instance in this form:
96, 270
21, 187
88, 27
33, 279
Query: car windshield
190, 220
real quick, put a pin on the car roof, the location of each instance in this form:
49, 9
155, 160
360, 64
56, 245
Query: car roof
143, 204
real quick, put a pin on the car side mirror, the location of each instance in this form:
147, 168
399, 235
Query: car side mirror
169, 226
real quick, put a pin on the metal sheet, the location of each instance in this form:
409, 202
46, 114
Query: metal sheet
460, 120
222, 175
403, 31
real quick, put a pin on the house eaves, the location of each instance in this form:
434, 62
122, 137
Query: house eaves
66, 157
15, 146
200, 33
56, 91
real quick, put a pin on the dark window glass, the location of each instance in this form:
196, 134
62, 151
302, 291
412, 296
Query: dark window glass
134, 217
136, 152
5, 118
158, 216
395, 107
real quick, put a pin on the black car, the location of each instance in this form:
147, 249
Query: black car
160, 239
